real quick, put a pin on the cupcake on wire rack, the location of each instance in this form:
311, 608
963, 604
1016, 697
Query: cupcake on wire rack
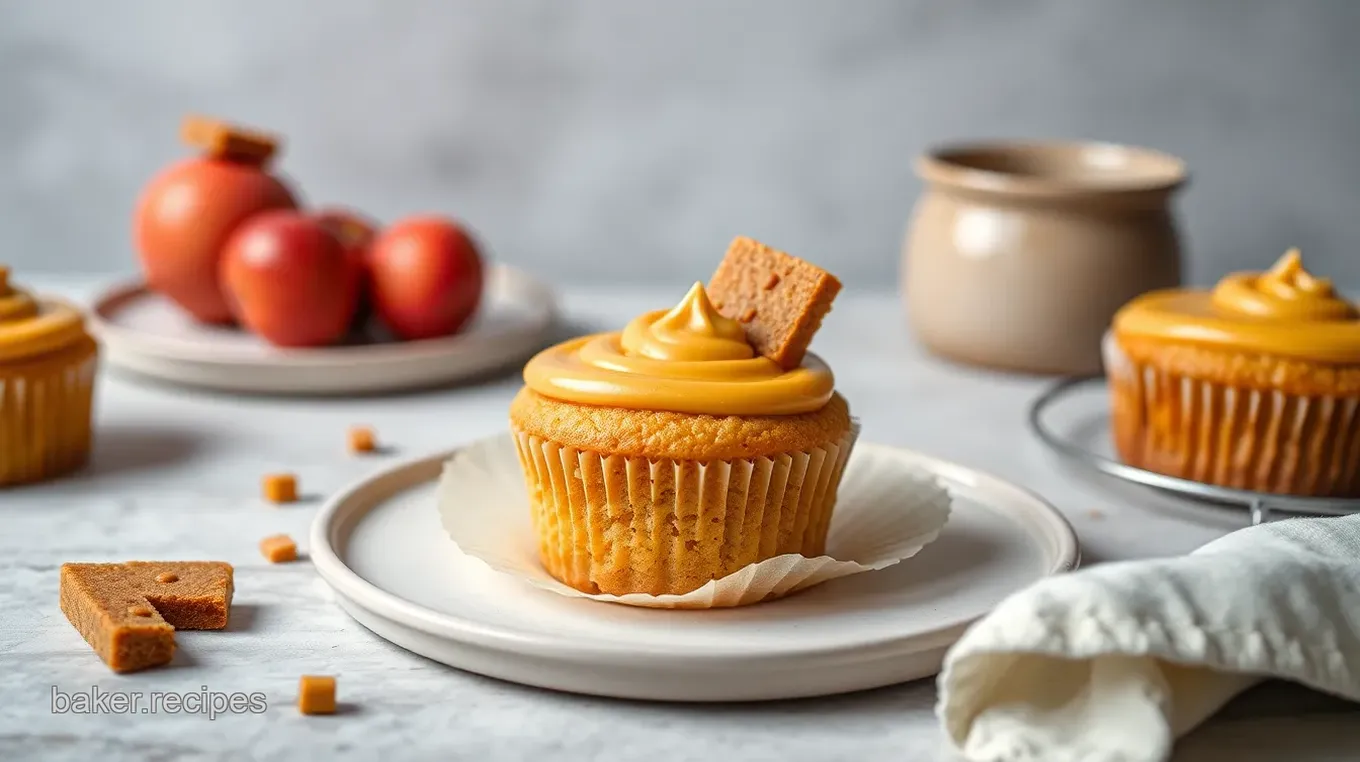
695, 442
47, 369
1254, 384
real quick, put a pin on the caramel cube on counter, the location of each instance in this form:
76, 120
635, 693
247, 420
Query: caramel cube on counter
316, 694
278, 549
280, 488
362, 440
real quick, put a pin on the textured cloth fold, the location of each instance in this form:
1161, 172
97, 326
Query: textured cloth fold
1116, 661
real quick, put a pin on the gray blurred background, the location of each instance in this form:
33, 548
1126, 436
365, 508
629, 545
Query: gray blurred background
632, 139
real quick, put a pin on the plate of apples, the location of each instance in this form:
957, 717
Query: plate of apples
244, 289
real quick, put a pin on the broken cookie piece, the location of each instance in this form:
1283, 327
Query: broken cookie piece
779, 298
128, 612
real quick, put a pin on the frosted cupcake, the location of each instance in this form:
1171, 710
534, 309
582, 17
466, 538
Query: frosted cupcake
47, 368
1254, 384
695, 442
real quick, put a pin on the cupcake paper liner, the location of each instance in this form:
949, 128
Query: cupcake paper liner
883, 514
45, 408
614, 524
1259, 440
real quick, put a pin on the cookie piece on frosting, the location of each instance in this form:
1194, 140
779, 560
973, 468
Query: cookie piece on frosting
778, 297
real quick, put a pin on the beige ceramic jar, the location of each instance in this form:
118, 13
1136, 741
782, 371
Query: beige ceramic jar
1018, 254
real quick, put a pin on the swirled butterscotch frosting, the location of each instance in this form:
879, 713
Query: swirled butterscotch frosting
689, 359
30, 326
1283, 311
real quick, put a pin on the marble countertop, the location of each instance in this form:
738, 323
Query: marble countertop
176, 472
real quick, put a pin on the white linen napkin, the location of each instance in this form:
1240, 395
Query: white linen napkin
1116, 661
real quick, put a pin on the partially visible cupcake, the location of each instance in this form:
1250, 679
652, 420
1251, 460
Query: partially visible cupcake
47, 368
697, 441
1253, 385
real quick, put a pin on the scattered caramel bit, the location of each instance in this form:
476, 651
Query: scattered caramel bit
129, 620
167, 577
1096, 514
362, 439
280, 488
748, 315
278, 549
4, 279
220, 140
784, 321
316, 694
772, 281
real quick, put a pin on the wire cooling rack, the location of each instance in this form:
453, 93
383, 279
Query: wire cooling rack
1262, 506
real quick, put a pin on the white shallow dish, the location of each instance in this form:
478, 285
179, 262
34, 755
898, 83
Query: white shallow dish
147, 334
380, 547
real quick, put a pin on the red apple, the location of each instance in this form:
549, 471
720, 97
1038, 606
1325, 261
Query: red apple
184, 217
290, 280
356, 232
426, 277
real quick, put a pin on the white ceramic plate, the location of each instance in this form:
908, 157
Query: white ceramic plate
143, 332
380, 546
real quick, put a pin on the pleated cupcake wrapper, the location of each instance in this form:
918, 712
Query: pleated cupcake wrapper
45, 411
1266, 441
884, 512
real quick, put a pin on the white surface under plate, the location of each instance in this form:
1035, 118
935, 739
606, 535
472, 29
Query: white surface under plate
145, 333
380, 546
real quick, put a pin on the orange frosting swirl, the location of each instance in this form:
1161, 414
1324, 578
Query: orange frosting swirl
29, 326
689, 359
1283, 311
1285, 292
